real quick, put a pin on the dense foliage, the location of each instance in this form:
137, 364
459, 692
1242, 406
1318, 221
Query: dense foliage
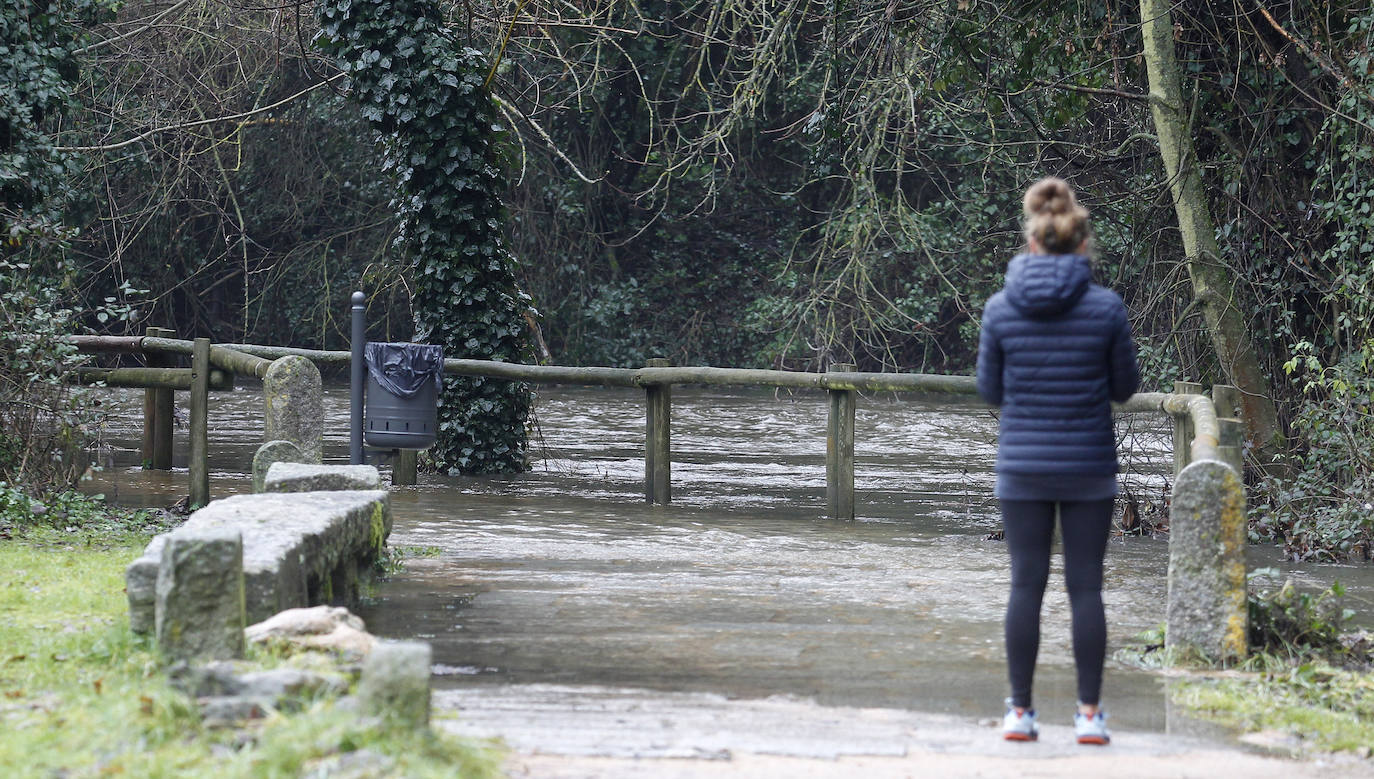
45, 423
425, 94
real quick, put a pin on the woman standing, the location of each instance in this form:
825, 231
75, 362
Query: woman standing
1055, 352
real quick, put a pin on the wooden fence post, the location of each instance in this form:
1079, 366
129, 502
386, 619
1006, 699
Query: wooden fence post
839, 450
658, 465
1183, 428
198, 462
1229, 401
404, 468
158, 429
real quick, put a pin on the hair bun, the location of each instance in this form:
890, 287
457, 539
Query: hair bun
1049, 196
1053, 216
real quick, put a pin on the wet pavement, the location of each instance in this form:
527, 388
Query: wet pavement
569, 617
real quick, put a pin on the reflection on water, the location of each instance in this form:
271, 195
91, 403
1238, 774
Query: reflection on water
564, 576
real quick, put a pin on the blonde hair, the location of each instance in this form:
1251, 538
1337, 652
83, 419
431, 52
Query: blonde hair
1053, 216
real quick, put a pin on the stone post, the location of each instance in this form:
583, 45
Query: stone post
395, 682
1207, 615
294, 398
270, 453
200, 610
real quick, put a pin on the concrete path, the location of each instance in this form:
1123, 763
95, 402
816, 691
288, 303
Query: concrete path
567, 732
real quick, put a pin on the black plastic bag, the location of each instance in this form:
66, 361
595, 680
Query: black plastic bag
403, 369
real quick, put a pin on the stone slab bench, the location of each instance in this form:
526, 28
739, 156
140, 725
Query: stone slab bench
299, 549
308, 477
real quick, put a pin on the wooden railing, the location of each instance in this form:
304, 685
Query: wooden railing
1200, 431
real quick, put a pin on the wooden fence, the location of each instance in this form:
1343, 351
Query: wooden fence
1203, 428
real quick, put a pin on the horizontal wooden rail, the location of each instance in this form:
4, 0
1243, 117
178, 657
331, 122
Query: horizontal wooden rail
151, 378
224, 357
937, 384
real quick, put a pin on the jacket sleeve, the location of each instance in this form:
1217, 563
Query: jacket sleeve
1124, 371
989, 361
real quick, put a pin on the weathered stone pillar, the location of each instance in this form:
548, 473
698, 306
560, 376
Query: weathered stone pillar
1207, 612
395, 682
295, 405
200, 610
269, 454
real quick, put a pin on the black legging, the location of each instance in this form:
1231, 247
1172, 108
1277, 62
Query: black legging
1029, 526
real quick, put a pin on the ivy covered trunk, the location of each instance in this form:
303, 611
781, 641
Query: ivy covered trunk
427, 97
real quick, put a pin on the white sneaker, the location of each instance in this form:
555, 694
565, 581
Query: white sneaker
1019, 727
1091, 730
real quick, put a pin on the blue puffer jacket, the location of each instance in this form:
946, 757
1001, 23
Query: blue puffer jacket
1055, 350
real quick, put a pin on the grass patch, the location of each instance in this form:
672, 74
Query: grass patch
1330, 709
82, 696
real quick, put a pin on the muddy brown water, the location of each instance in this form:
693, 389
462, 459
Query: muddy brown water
563, 582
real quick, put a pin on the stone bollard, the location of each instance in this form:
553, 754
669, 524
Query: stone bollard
395, 682
200, 610
269, 454
1207, 610
295, 405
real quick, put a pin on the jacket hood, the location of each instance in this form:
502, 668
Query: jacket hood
1043, 285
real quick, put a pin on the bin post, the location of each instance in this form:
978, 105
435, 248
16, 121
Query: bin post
359, 370
839, 450
658, 462
405, 467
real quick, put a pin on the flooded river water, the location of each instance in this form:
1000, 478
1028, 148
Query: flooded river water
561, 586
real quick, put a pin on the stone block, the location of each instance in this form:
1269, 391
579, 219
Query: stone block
294, 399
320, 627
395, 682
269, 454
308, 477
1207, 537
199, 602
298, 548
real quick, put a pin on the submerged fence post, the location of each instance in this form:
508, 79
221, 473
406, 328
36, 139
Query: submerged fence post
357, 377
1183, 428
200, 408
839, 450
405, 467
658, 464
158, 426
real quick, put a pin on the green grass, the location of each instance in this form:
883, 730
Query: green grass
82, 696
1330, 709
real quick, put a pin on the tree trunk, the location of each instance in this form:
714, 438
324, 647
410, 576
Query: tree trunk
1212, 283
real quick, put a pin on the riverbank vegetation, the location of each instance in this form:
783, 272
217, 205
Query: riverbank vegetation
1307, 684
788, 184
80, 695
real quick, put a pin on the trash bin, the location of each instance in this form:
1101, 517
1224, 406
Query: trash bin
402, 405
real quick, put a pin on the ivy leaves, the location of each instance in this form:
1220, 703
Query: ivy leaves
425, 96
